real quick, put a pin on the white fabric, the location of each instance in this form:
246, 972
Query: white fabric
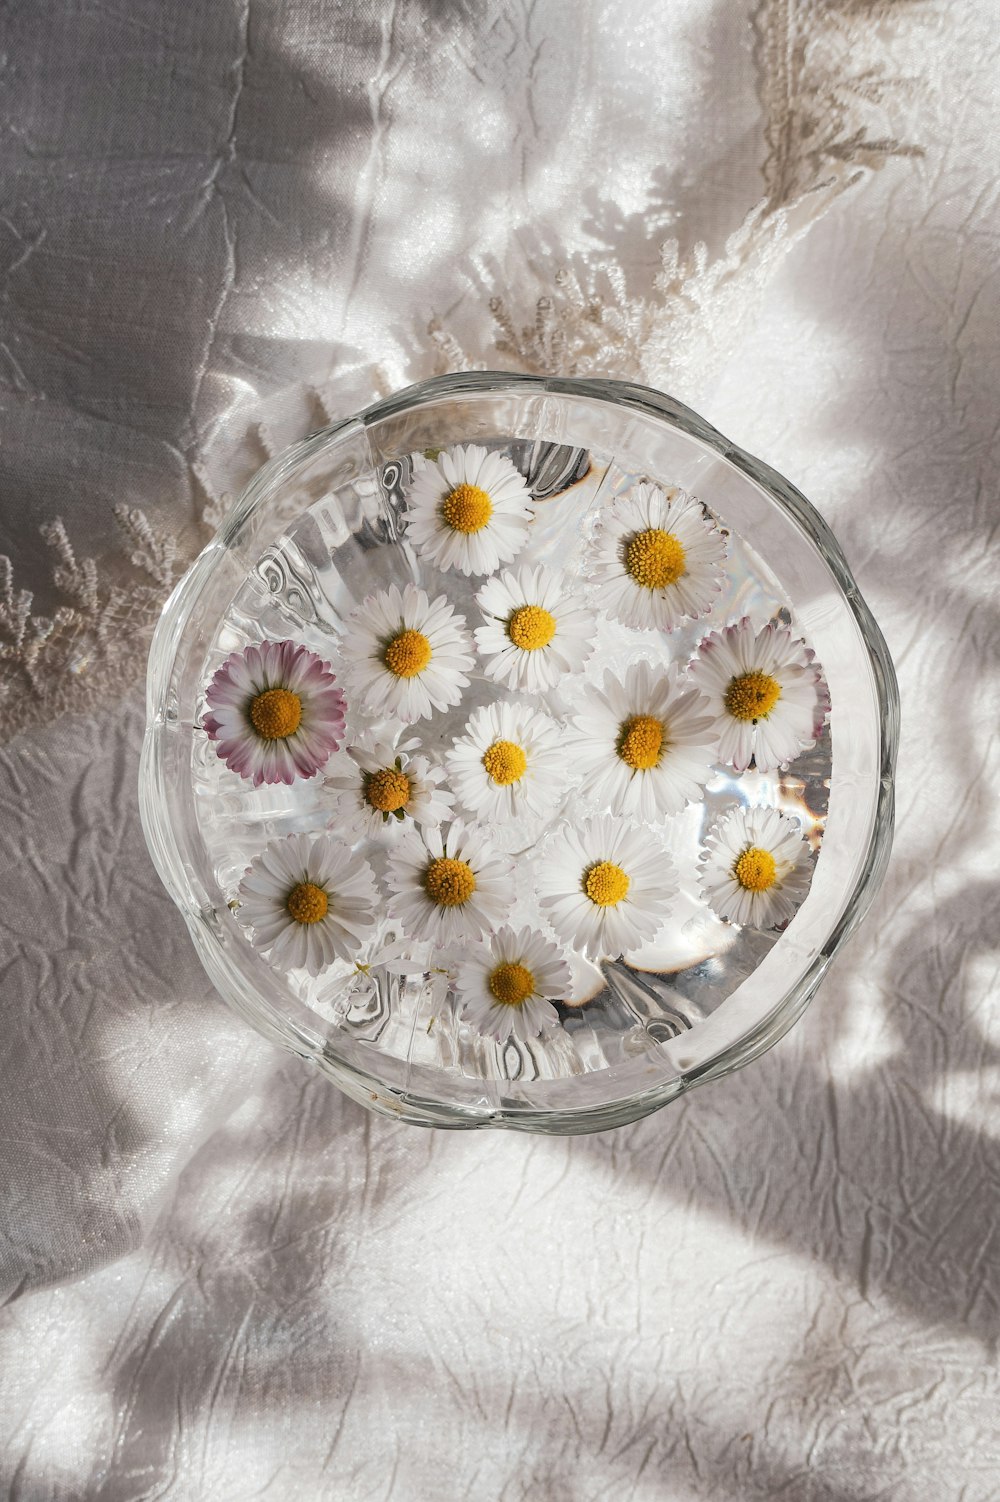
225, 1280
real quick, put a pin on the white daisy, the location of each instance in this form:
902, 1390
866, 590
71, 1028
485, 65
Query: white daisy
508, 985
469, 510
766, 691
510, 761
537, 630
645, 744
404, 655
383, 786
308, 900
656, 560
755, 867
449, 885
605, 886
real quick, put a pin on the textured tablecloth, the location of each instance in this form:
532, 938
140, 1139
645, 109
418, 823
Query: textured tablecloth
224, 1280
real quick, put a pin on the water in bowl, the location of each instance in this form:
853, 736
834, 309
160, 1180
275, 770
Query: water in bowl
351, 542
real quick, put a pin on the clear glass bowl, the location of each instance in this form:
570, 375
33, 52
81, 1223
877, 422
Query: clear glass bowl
314, 532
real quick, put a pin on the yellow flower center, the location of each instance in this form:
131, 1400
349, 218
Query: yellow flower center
307, 903
276, 713
606, 884
511, 984
467, 508
531, 627
387, 790
505, 762
752, 696
640, 742
407, 654
449, 883
655, 558
755, 869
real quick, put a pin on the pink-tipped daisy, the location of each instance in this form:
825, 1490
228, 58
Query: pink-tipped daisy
274, 712
766, 691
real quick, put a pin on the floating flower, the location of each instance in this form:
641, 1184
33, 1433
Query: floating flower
508, 986
605, 886
510, 761
449, 884
537, 630
275, 712
657, 560
468, 510
645, 744
383, 786
766, 691
755, 868
404, 655
308, 900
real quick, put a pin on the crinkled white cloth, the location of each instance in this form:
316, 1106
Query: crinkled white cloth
225, 1280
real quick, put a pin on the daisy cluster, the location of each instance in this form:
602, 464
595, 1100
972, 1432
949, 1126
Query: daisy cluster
416, 830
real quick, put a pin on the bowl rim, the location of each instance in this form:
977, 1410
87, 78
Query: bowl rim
412, 1105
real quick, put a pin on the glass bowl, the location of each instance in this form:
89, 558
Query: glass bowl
316, 530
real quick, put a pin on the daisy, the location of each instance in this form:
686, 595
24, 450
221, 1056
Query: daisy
308, 900
449, 885
468, 509
509, 762
537, 630
382, 785
657, 559
505, 987
275, 712
404, 655
645, 744
755, 867
605, 886
766, 691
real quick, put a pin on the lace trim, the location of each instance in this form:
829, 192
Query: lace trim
826, 80
96, 643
